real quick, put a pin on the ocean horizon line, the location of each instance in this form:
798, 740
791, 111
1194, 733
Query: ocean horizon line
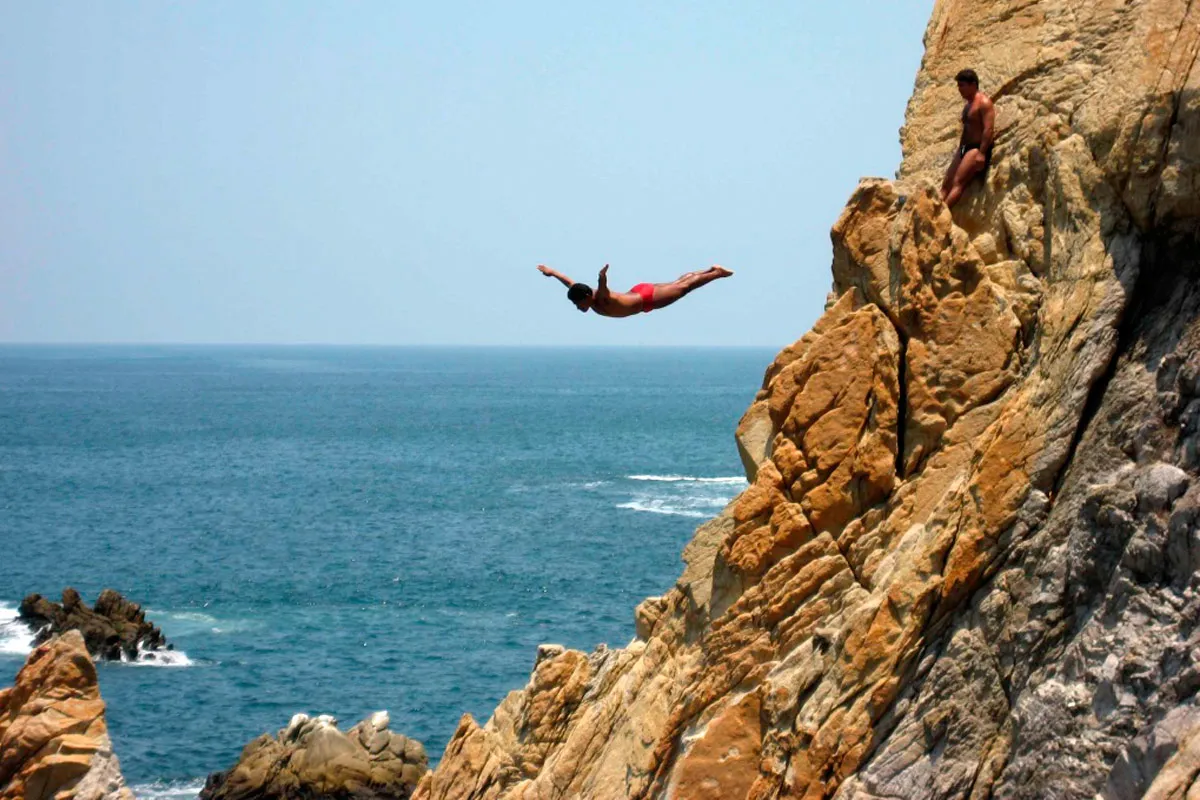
374, 346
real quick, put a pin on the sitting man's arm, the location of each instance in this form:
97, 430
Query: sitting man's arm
989, 126
551, 273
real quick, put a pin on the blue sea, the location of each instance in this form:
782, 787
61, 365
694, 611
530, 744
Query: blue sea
344, 530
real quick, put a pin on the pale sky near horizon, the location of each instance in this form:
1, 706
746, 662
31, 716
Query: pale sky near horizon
392, 173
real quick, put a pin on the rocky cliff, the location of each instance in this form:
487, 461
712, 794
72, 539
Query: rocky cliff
53, 738
967, 563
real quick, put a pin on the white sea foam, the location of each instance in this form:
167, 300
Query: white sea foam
707, 502
189, 623
188, 616
732, 480
168, 790
16, 638
658, 506
682, 495
183, 623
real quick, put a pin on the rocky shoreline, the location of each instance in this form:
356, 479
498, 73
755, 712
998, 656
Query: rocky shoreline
54, 745
54, 742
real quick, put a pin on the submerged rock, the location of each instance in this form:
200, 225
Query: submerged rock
53, 737
312, 758
968, 562
116, 629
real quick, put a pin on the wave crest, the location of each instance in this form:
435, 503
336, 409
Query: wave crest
732, 480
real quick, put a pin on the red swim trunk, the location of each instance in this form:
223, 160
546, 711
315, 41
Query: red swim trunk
646, 290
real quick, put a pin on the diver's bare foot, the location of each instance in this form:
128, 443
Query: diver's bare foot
721, 271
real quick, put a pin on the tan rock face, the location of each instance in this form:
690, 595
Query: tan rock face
923, 593
833, 413
53, 739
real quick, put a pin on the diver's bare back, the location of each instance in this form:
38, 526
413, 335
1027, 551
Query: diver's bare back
617, 304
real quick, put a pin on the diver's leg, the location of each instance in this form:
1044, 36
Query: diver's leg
667, 293
972, 164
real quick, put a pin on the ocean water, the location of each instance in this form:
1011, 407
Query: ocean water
343, 530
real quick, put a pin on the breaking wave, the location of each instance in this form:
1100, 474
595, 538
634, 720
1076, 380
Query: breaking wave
159, 658
16, 638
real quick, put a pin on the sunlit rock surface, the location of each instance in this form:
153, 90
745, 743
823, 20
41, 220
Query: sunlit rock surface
53, 738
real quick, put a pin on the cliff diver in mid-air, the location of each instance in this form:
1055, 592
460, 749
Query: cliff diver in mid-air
645, 297
974, 153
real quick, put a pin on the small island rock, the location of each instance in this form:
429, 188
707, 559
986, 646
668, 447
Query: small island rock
312, 758
116, 629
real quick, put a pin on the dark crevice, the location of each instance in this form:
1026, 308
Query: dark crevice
1126, 328
1090, 407
901, 402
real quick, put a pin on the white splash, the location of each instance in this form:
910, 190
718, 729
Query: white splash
16, 638
158, 658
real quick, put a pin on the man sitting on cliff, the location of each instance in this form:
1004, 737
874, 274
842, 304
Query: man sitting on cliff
645, 297
974, 154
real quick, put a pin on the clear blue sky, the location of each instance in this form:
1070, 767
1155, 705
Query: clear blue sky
392, 172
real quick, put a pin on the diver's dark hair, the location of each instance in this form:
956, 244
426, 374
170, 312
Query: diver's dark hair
967, 76
578, 291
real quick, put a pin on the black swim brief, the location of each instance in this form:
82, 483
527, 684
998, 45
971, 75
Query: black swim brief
987, 154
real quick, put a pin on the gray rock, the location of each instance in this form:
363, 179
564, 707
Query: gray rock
1159, 486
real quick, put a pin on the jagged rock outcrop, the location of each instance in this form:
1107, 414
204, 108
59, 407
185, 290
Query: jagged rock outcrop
53, 738
115, 629
968, 563
311, 758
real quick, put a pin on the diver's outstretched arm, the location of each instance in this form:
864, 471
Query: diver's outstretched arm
553, 273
